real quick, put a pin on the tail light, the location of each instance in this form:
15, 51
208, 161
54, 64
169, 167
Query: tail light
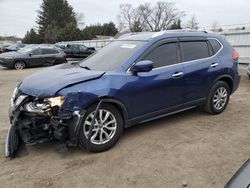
235, 55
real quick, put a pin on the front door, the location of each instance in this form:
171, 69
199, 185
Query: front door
160, 88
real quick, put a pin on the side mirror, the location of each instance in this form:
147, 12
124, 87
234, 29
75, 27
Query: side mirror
143, 66
30, 54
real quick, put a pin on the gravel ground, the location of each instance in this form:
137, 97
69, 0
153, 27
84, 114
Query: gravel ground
193, 148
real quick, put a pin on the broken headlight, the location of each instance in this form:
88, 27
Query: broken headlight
19, 100
16, 100
55, 101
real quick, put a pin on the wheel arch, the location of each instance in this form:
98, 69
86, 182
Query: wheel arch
16, 60
119, 105
228, 79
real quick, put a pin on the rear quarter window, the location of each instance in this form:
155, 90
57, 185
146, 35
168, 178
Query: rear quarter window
216, 46
193, 50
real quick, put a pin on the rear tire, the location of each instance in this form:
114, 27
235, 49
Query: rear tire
108, 128
19, 65
218, 98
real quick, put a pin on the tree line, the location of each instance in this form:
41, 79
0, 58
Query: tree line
57, 21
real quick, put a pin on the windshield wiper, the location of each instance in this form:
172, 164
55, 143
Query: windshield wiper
85, 67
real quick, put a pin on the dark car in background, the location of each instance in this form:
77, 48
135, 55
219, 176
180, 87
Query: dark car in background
32, 57
76, 50
14, 47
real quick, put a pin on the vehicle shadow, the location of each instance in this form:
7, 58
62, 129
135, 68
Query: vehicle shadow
162, 122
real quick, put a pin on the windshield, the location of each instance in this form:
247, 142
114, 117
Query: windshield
12, 47
112, 56
24, 50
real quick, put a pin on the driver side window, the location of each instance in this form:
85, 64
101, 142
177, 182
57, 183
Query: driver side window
163, 55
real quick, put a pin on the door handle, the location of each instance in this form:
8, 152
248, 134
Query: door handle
213, 65
177, 74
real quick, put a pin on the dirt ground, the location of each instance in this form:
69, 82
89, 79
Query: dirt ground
193, 147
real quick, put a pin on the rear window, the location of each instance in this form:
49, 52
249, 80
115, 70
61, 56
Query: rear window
215, 45
194, 50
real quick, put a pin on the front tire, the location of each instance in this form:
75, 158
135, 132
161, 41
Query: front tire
107, 129
218, 98
12, 142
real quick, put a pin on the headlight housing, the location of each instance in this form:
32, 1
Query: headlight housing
13, 96
14, 93
19, 100
56, 101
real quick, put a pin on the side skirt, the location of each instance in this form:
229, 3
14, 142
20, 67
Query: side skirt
165, 112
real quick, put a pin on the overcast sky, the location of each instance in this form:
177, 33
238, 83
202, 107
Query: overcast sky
18, 16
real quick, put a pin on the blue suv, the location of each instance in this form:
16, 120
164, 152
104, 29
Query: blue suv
137, 78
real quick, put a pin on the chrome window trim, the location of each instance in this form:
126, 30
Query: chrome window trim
186, 62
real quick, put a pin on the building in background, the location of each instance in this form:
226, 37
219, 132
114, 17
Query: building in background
240, 40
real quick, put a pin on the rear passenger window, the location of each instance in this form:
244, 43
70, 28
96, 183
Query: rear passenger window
49, 51
215, 45
163, 55
194, 50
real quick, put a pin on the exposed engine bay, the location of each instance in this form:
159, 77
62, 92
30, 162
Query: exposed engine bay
35, 120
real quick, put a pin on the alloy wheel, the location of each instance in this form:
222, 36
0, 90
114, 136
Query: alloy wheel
19, 65
104, 128
220, 98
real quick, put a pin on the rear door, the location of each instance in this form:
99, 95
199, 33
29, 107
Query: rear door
200, 67
49, 56
35, 57
72, 50
83, 51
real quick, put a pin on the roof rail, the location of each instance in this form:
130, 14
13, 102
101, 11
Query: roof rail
187, 30
130, 34
177, 30
159, 33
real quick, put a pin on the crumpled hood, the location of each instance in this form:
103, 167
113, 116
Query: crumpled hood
48, 82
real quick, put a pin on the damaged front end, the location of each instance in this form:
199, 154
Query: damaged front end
37, 120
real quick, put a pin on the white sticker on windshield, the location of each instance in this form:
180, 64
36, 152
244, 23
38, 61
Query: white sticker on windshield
128, 46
